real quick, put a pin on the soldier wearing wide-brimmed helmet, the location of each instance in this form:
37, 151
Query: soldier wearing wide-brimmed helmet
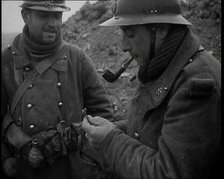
46, 83
173, 122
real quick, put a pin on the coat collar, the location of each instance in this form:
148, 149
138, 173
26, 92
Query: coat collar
158, 90
21, 58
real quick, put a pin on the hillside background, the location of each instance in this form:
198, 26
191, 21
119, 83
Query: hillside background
103, 44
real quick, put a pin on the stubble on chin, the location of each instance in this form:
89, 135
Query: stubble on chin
142, 72
49, 37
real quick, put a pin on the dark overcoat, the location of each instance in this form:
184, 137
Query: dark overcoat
173, 123
63, 90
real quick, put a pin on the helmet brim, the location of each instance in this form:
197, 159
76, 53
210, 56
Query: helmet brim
49, 9
138, 20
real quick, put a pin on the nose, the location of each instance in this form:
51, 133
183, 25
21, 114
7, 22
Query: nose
52, 22
125, 44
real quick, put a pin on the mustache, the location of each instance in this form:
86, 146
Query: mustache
51, 29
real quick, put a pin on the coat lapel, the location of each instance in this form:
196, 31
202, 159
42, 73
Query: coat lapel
152, 94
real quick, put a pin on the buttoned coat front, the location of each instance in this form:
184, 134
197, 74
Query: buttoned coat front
60, 93
173, 123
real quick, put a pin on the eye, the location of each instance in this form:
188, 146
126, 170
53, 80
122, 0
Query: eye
58, 15
128, 32
42, 14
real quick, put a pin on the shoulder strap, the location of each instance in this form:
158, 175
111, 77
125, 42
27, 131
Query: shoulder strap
37, 72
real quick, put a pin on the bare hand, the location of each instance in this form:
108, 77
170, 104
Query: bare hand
96, 129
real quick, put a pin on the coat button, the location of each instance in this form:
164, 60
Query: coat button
59, 84
65, 57
30, 86
29, 106
13, 52
60, 104
136, 135
31, 126
27, 69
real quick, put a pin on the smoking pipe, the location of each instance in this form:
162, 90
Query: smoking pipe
111, 76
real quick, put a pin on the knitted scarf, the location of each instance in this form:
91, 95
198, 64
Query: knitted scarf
38, 52
155, 67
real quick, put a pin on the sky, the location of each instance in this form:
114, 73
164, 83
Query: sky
11, 14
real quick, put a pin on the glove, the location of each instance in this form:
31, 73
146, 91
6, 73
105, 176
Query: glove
24, 151
50, 144
16, 137
69, 138
9, 166
54, 143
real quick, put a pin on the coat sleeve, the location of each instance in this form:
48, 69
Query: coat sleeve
96, 98
5, 153
122, 125
188, 143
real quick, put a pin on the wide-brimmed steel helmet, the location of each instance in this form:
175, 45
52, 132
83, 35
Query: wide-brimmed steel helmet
46, 5
134, 12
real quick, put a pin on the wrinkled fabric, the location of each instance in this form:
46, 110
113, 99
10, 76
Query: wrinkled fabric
36, 51
173, 123
154, 67
61, 93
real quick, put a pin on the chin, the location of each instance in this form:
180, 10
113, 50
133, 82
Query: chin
50, 37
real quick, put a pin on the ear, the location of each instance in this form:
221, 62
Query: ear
26, 15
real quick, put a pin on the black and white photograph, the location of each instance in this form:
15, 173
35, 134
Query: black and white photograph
111, 89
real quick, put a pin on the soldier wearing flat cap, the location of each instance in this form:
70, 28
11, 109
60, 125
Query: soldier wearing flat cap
46, 83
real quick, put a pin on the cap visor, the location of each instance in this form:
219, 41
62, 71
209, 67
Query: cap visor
51, 9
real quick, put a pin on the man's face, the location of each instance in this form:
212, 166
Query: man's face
44, 27
136, 40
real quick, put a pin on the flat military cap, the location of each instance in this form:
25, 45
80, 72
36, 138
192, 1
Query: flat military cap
46, 5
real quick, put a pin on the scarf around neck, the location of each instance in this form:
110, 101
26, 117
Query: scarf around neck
156, 66
36, 51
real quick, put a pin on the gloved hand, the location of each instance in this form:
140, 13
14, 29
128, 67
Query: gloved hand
70, 138
50, 144
9, 167
16, 137
24, 151
54, 143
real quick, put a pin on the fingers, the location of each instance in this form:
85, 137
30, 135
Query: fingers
86, 126
96, 121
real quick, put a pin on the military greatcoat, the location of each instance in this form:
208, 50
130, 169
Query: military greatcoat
60, 93
173, 123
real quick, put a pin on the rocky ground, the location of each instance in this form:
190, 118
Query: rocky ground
102, 44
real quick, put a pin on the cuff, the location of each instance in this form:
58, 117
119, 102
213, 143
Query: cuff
7, 121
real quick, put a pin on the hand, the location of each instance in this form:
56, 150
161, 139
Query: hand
50, 144
9, 167
96, 129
